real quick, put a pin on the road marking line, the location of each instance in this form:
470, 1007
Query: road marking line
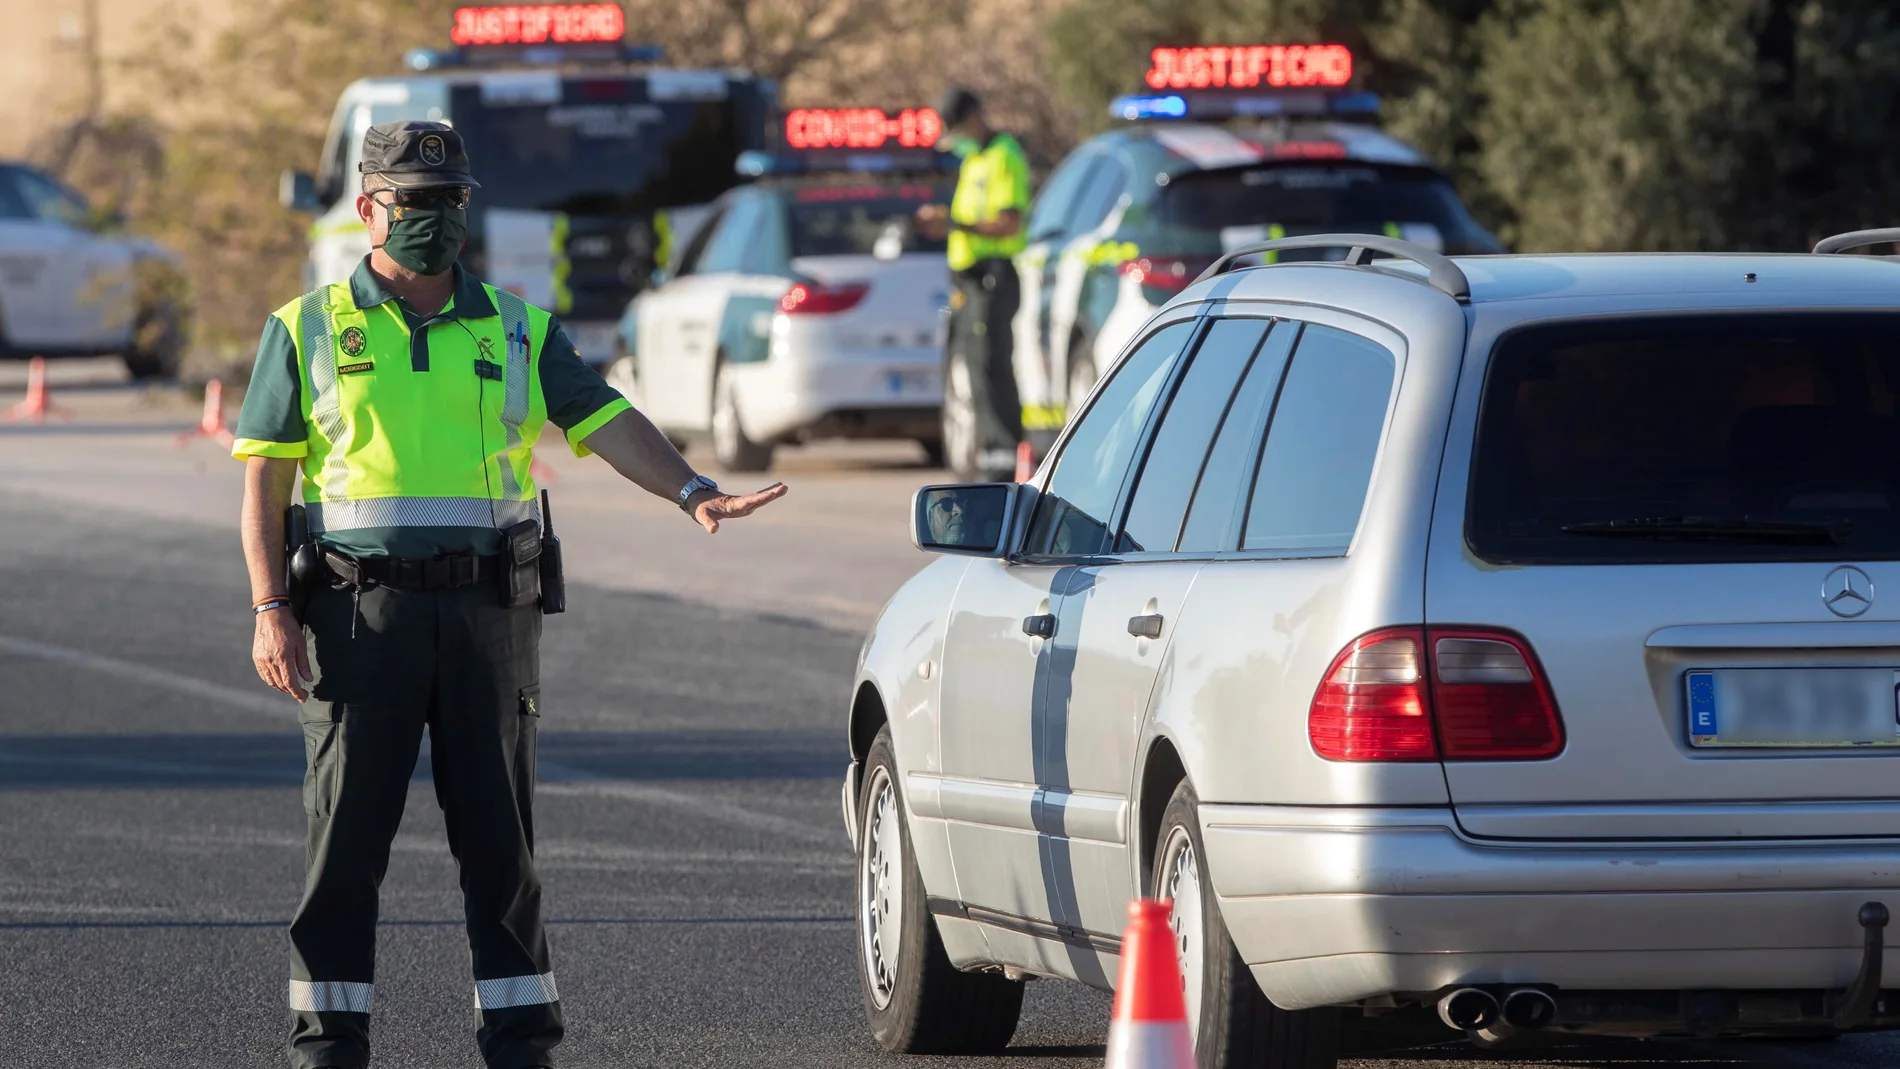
247, 700
583, 782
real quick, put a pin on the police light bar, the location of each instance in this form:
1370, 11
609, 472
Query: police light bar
808, 128
756, 164
539, 24
1229, 104
1250, 66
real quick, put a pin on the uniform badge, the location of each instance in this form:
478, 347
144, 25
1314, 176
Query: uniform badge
433, 151
348, 369
487, 346
354, 341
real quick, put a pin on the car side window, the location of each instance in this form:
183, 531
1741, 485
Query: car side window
50, 201
768, 253
1048, 217
1098, 196
1324, 436
1072, 517
1223, 485
695, 250
11, 206
1159, 504
737, 231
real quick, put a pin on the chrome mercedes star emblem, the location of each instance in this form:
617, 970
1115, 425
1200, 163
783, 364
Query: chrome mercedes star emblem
1847, 591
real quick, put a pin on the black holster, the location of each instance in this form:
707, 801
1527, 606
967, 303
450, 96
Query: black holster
521, 567
302, 563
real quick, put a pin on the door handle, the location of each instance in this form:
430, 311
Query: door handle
1043, 626
1148, 626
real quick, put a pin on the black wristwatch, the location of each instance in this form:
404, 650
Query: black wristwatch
693, 486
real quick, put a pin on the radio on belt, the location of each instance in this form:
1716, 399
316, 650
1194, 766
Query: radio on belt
1226, 81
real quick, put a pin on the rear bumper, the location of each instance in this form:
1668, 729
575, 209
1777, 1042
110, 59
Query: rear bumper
807, 392
1335, 905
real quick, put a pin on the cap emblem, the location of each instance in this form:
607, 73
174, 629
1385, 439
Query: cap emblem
433, 151
353, 341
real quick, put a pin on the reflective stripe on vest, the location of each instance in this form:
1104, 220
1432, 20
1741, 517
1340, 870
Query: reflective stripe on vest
514, 405
319, 354
416, 512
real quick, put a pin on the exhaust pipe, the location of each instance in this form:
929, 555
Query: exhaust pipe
1529, 1008
1468, 1009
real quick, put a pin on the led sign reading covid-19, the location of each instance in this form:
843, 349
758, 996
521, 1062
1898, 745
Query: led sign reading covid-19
539, 24
862, 128
1251, 67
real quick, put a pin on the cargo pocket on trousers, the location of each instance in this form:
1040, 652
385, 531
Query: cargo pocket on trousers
323, 755
527, 721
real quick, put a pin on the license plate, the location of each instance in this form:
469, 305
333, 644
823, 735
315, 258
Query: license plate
1794, 707
913, 381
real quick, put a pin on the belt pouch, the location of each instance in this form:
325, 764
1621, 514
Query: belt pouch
521, 569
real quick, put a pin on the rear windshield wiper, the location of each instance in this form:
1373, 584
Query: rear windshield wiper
1717, 529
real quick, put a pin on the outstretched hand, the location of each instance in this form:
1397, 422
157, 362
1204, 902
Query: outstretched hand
732, 506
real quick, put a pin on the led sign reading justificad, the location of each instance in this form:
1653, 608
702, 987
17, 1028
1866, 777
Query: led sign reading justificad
539, 24
861, 128
1250, 67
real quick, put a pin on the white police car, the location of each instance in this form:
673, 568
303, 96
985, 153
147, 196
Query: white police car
71, 287
805, 307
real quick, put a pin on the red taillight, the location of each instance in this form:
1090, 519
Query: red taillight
1170, 274
1485, 699
1371, 705
812, 298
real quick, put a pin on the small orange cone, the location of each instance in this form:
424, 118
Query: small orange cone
210, 425
1150, 1027
1025, 462
39, 402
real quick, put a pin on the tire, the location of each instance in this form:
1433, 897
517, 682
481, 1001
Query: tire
918, 1003
158, 344
1234, 1024
959, 422
731, 447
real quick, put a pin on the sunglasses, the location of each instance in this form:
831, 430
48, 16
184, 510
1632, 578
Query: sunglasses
438, 197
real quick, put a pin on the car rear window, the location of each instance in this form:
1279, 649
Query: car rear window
848, 220
1316, 199
1705, 438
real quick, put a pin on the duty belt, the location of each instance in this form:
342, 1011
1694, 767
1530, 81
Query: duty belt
413, 573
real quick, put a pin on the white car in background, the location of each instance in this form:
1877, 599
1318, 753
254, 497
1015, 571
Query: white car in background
803, 309
70, 286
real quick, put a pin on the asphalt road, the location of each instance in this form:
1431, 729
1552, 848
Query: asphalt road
698, 881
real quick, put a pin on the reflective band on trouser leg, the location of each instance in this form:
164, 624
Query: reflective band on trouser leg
415, 512
515, 991
514, 404
319, 355
330, 996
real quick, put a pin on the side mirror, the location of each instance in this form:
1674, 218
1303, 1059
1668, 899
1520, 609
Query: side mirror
297, 191
973, 519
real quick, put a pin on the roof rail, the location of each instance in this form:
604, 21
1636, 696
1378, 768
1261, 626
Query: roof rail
1443, 274
1857, 239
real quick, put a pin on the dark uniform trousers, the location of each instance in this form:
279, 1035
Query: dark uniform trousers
982, 336
388, 665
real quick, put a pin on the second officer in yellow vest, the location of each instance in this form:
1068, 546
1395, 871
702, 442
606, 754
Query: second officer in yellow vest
401, 408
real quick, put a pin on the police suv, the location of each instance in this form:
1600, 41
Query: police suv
69, 286
589, 158
1268, 142
807, 306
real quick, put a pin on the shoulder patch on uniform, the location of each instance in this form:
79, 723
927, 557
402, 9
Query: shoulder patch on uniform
353, 341
349, 368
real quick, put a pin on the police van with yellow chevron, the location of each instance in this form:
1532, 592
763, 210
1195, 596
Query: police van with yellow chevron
593, 157
1224, 147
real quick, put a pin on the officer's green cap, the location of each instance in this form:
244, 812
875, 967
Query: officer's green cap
416, 155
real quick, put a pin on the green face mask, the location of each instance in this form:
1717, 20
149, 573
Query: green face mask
425, 240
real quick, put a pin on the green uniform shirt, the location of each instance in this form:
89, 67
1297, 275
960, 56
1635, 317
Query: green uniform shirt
993, 179
273, 405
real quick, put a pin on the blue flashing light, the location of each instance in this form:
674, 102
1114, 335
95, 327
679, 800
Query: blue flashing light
1356, 104
643, 53
428, 59
1171, 106
754, 164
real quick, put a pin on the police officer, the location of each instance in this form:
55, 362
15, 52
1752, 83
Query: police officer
985, 227
411, 398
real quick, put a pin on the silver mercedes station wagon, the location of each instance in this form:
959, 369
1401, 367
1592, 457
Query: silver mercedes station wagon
1495, 643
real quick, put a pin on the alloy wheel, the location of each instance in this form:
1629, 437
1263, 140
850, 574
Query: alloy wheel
881, 888
1181, 882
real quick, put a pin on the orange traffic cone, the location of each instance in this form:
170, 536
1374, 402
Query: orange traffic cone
1150, 1029
1025, 462
211, 424
39, 402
